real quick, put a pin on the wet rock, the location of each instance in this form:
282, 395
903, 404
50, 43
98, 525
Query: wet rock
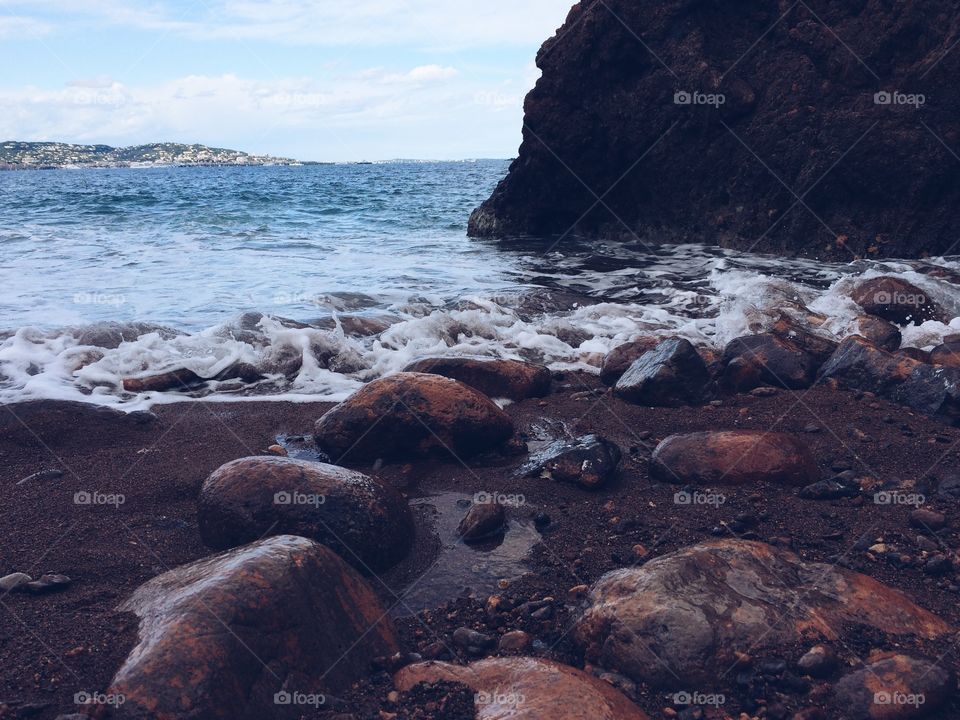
756, 360
861, 365
515, 641
412, 414
526, 688
895, 687
915, 354
110, 335
45, 584
588, 461
832, 489
819, 661
179, 379
618, 361
927, 519
512, 379
738, 457
883, 334
365, 522
897, 300
482, 521
11, 582
686, 614
221, 636
466, 638
240, 371
800, 333
672, 374
947, 354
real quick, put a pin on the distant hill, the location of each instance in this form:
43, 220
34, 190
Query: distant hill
46, 155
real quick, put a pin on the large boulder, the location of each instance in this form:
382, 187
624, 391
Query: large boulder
894, 687
226, 637
734, 457
511, 379
411, 414
671, 374
618, 361
760, 129
755, 360
897, 301
880, 332
588, 461
681, 619
946, 354
525, 688
858, 364
365, 522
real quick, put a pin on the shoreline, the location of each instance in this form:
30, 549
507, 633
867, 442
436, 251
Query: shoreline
73, 641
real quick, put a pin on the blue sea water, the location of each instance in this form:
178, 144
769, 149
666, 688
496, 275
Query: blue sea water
328, 276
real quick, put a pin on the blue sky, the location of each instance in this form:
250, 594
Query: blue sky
310, 79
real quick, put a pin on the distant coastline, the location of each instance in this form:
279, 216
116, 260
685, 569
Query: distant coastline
15, 155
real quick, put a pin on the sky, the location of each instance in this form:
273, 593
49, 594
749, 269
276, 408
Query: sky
328, 80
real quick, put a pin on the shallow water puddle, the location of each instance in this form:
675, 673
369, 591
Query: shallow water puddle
463, 570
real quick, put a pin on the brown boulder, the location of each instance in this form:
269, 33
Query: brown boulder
511, 379
180, 379
617, 361
766, 359
897, 300
736, 457
895, 687
368, 524
947, 354
670, 375
681, 619
221, 637
801, 333
412, 414
861, 365
482, 520
883, 334
525, 688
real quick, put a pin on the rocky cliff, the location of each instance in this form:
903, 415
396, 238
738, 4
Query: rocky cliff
824, 128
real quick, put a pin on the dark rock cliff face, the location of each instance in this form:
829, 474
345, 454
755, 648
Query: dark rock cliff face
752, 124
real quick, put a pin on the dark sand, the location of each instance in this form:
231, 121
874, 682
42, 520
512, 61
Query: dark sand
54, 646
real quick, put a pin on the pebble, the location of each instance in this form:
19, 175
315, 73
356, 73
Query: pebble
819, 661
938, 565
928, 519
46, 584
13, 581
515, 641
466, 638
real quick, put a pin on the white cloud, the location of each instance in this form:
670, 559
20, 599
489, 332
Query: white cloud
22, 27
427, 23
374, 114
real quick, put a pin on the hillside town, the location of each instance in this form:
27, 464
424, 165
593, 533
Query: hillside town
50, 155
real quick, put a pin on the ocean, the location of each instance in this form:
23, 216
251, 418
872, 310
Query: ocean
324, 277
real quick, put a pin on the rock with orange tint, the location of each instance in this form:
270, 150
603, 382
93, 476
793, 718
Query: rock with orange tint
766, 359
894, 687
883, 334
511, 379
365, 522
681, 619
670, 375
412, 414
947, 354
897, 300
805, 332
219, 638
524, 688
616, 362
736, 457
588, 461
859, 364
